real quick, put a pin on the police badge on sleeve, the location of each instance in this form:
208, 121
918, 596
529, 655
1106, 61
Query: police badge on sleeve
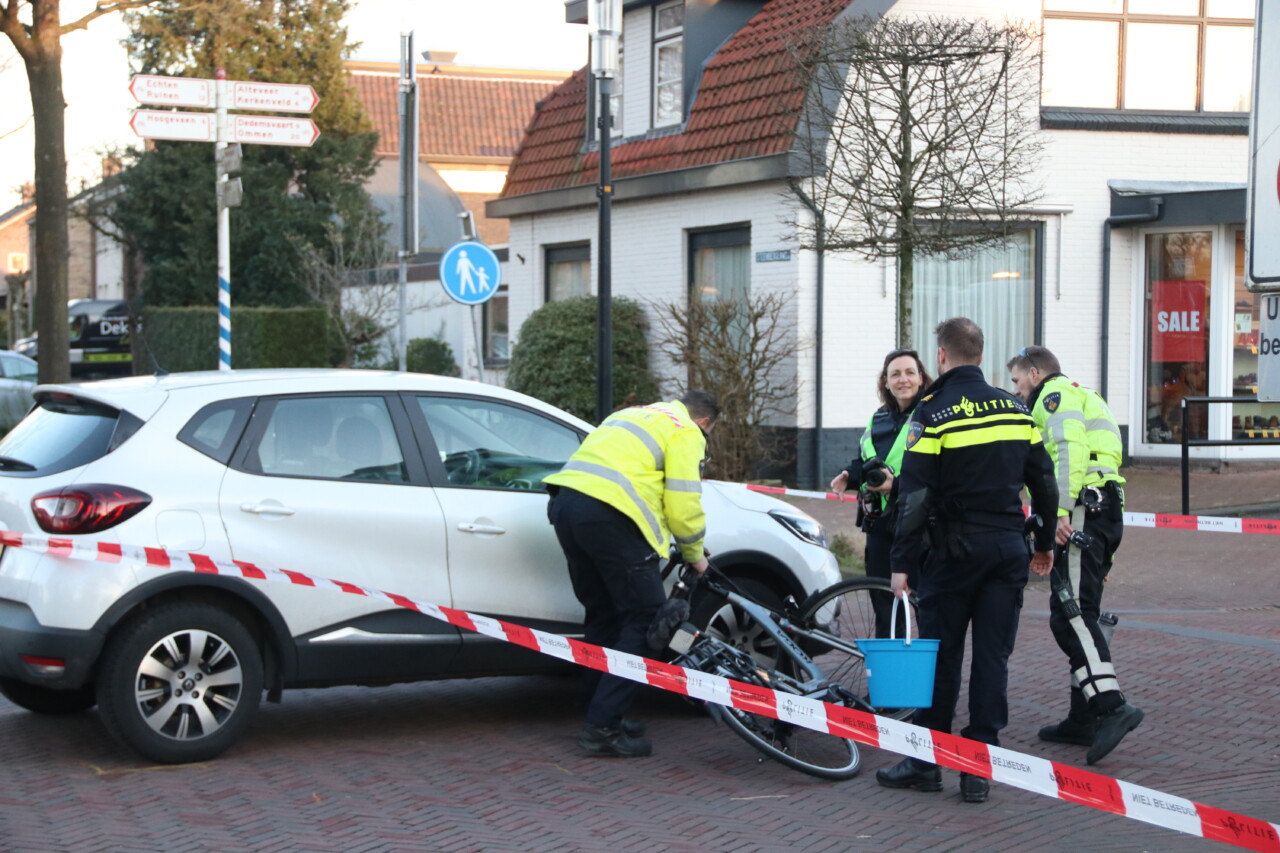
914, 430
1052, 401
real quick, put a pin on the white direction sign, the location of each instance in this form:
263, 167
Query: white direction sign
273, 97
185, 127
172, 91
274, 131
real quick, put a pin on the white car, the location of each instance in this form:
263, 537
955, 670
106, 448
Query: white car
420, 485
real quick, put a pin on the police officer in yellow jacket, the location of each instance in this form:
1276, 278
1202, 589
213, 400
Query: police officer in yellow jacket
970, 449
630, 490
1083, 439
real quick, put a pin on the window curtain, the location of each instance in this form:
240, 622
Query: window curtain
996, 288
566, 279
722, 272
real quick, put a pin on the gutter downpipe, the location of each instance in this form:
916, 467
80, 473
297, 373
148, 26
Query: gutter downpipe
1111, 222
820, 234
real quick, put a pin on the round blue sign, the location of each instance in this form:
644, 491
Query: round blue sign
470, 272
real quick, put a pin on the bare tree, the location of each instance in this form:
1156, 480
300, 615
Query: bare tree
355, 280
743, 351
920, 136
39, 43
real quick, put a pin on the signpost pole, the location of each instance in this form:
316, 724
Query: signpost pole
408, 179
224, 225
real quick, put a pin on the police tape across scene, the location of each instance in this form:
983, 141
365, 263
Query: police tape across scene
1164, 520
1038, 775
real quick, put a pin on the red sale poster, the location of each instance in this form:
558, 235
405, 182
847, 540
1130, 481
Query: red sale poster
1179, 321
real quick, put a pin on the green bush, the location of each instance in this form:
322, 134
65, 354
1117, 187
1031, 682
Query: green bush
183, 339
555, 358
431, 355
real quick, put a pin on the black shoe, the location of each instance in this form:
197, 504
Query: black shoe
1112, 727
907, 773
973, 789
631, 728
600, 740
1069, 731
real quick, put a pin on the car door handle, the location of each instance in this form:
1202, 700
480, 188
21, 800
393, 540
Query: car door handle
480, 528
266, 509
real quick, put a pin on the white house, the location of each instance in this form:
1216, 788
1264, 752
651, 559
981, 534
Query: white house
1130, 267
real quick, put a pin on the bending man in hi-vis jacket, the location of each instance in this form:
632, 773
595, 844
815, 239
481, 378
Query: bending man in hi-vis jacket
1082, 438
633, 487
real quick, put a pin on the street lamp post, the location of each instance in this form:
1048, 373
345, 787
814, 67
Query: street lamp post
604, 20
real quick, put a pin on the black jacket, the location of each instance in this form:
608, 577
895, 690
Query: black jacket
970, 450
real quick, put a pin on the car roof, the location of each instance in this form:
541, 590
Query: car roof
143, 395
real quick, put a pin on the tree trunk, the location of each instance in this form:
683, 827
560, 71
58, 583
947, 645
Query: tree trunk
906, 283
44, 73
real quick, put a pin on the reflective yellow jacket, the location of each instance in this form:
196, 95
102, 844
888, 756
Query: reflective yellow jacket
1080, 434
644, 461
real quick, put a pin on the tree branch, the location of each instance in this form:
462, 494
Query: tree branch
103, 8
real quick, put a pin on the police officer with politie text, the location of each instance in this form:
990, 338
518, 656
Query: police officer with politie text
970, 449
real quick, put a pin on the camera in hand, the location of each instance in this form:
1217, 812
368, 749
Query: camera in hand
874, 473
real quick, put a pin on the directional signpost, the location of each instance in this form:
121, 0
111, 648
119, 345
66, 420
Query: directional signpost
226, 130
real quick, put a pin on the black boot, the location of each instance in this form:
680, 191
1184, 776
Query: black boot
1078, 728
973, 789
601, 740
909, 773
1112, 727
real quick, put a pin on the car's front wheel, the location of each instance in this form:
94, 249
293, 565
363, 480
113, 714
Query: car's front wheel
180, 683
45, 700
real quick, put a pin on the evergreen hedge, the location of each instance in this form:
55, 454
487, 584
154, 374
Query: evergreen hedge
184, 339
555, 358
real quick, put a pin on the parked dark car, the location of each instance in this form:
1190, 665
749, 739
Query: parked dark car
99, 339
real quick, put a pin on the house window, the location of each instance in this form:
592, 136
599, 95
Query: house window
1179, 273
720, 264
668, 64
1181, 55
568, 272
17, 262
998, 288
495, 327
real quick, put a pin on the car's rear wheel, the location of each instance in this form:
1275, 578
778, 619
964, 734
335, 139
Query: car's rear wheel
46, 700
180, 683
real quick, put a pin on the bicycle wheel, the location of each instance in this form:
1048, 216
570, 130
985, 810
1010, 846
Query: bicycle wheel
845, 611
816, 753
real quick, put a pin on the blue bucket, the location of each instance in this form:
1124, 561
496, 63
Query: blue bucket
900, 671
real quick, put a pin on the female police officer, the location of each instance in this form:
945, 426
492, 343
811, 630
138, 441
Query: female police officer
873, 472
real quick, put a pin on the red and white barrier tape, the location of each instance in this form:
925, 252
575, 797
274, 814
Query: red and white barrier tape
1215, 523
1039, 775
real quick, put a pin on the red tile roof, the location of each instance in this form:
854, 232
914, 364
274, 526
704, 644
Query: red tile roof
459, 115
746, 106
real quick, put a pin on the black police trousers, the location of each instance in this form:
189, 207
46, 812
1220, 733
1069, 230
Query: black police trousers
879, 547
1095, 689
983, 589
615, 575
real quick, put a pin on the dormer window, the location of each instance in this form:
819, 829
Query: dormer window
668, 63
1178, 55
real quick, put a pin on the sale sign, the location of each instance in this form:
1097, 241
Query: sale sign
1179, 321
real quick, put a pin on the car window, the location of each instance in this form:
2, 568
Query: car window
17, 368
488, 444
334, 438
61, 433
215, 429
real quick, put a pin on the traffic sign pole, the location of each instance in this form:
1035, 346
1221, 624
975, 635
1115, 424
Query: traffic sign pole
224, 226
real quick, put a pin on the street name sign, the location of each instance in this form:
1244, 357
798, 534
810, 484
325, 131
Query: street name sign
273, 97
165, 124
172, 91
274, 131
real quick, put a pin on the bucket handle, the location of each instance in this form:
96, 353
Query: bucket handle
893, 619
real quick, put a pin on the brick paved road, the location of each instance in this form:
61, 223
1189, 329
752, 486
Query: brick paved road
490, 765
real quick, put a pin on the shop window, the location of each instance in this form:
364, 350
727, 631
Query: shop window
668, 64
568, 272
496, 334
1248, 420
1178, 274
998, 287
1181, 55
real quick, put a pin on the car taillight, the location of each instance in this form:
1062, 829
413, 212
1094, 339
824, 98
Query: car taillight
87, 509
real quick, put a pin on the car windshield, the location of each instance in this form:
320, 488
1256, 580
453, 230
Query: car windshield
62, 433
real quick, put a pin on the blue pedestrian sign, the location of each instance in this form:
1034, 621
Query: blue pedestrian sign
470, 273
